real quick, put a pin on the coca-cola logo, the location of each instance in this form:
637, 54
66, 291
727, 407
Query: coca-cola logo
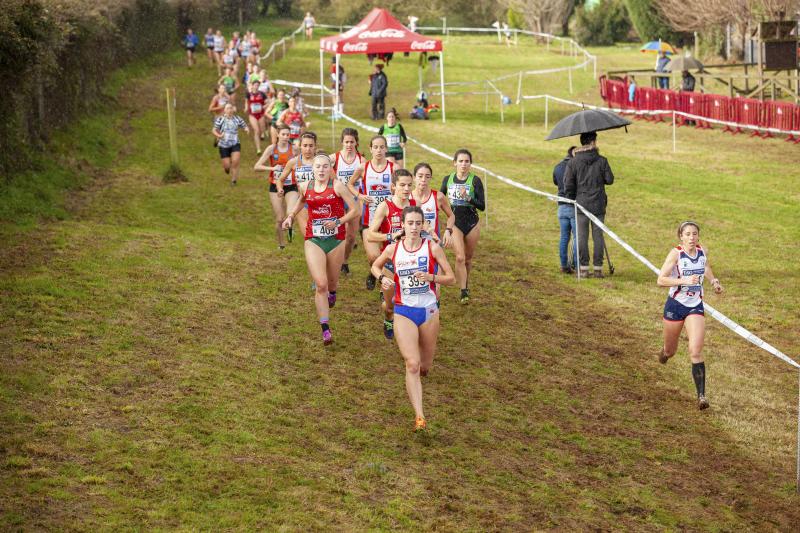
355, 47
388, 33
322, 211
423, 45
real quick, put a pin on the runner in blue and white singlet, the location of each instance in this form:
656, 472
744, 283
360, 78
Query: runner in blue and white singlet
301, 167
344, 172
683, 272
431, 202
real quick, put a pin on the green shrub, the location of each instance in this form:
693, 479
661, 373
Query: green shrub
650, 23
603, 25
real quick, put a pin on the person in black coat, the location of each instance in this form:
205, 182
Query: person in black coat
378, 83
585, 180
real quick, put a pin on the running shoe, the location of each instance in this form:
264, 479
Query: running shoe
327, 337
464, 296
388, 329
662, 357
281, 247
598, 273
420, 424
331, 300
345, 269
702, 403
291, 233
371, 281
258, 152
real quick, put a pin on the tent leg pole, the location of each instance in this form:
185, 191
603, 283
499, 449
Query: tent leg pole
321, 82
336, 96
441, 84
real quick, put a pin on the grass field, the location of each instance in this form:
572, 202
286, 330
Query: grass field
161, 367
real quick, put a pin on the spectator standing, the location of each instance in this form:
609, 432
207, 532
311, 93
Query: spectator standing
585, 180
378, 84
631, 91
687, 84
412, 23
661, 66
566, 216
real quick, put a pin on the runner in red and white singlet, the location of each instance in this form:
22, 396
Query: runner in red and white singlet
374, 179
386, 227
431, 202
256, 106
293, 118
420, 266
324, 233
347, 161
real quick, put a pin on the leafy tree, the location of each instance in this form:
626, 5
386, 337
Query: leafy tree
604, 24
649, 23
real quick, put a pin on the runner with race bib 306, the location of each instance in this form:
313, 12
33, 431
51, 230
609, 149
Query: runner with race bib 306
274, 160
386, 227
374, 179
465, 192
345, 163
324, 235
420, 267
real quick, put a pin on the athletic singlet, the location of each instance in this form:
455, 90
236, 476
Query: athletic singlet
245, 47
376, 185
210, 40
344, 170
254, 46
393, 138
689, 295
302, 173
455, 190
256, 104
408, 290
394, 219
430, 209
227, 58
295, 122
278, 108
264, 87
322, 207
219, 44
278, 160
229, 83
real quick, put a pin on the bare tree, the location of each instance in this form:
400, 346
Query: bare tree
542, 15
701, 15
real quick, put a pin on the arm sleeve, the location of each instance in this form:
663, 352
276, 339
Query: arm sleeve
608, 176
569, 182
479, 200
443, 189
380, 130
402, 133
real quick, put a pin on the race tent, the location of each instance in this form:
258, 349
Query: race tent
379, 33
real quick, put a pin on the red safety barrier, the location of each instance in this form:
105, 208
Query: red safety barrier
666, 101
603, 87
780, 115
647, 101
617, 94
721, 108
698, 107
796, 123
751, 113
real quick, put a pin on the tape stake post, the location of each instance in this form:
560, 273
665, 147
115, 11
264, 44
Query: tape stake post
577, 248
797, 483
674, 133
486, 198
546, 109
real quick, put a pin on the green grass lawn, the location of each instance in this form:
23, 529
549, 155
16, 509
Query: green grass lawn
161, 366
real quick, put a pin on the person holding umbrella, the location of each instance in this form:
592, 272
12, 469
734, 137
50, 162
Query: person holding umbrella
585, 180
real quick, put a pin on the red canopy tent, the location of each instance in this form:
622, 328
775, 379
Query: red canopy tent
379, 33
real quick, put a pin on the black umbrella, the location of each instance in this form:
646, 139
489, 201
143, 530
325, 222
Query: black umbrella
587, 121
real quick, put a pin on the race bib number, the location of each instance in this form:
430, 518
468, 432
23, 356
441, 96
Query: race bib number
345, 177
228, 60
294, 128
459, 194
410, 284
380, 197
229, 138
319, 230
392, 141
256, 108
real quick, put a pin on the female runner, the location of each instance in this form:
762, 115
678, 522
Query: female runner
256, 102
683, 272
386, 226
209, 41
219, 50
293, 118
374, 180
301, 170
274, 160
465, 192
218, 101
324, 233
395, 138
345, 163
276, 110
431, 202
415, 280
226, 130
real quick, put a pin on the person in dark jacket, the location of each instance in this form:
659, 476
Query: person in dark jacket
378, 83
585, 180
566, 215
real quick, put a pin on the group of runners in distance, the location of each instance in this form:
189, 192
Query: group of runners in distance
404, 225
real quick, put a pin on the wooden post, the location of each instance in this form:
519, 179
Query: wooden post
173, 130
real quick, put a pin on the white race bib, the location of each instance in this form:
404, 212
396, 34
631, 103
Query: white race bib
410, 284
319, 230
392, 140
256, 108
